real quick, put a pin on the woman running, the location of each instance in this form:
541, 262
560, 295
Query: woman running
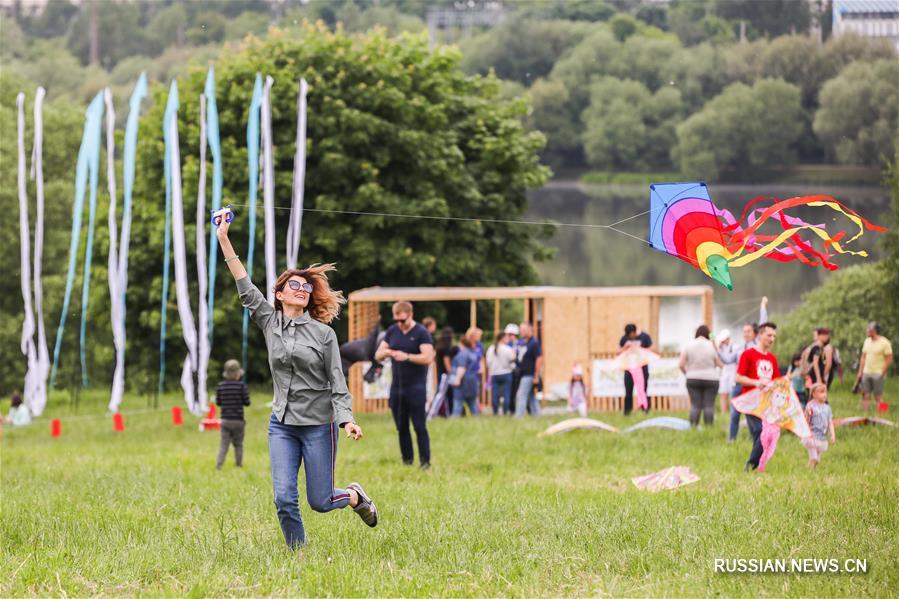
311, 397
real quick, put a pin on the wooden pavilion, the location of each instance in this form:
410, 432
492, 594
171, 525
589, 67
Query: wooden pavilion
574, 324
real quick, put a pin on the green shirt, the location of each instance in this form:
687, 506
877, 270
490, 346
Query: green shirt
305, 362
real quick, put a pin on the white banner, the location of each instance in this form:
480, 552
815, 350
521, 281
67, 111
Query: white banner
380, 389
665, 378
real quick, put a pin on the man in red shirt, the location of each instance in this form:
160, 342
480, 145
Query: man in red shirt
757, 368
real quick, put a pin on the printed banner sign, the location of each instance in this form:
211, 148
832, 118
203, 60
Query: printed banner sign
380, 388
665, 378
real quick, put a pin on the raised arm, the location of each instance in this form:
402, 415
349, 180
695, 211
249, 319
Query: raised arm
250, 296
231, 257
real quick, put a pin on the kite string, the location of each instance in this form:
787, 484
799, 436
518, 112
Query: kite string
467, 218
741, 317
610, 226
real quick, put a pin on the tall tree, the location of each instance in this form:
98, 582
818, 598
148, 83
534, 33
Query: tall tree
742, 132
392, 128
859, 115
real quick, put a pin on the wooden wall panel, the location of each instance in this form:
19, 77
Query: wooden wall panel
608, 315
362, 317
565, 324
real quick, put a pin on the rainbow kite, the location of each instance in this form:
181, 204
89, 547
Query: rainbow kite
684, 222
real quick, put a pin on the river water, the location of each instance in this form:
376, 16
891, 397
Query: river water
603, 257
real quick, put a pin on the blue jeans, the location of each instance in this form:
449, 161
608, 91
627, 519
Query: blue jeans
755, 431
734, 423
501, 387
460, 400
288, 447
525, 398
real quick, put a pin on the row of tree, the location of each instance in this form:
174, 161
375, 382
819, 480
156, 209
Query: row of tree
615, 85
637, 98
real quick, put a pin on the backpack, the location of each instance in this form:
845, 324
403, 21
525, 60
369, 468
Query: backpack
805, 362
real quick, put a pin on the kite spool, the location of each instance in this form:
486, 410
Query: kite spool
222, 213
55, 428
883, 407
177, 420
118, 423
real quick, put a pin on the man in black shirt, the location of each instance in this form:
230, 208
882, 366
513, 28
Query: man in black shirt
411, 349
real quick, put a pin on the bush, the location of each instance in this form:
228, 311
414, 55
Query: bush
845, 303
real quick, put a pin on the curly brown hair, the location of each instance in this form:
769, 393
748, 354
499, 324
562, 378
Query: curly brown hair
324, 302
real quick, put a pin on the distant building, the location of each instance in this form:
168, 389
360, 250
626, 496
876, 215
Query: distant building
449, 24
868, 18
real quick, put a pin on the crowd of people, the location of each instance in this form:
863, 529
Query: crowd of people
512, 363
734, 368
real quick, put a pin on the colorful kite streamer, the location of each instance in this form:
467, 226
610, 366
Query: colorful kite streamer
88, 160
118, 260
215, 147
253, 164
39, 401
299, 177
171, 109
268, 190
204, 339
27, 340
684, 222
182, 295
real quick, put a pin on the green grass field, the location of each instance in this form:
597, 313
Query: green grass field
502, 512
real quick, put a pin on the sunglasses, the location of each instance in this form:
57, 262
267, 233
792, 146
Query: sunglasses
296, 286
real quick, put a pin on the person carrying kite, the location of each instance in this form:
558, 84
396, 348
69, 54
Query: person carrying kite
758, 368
